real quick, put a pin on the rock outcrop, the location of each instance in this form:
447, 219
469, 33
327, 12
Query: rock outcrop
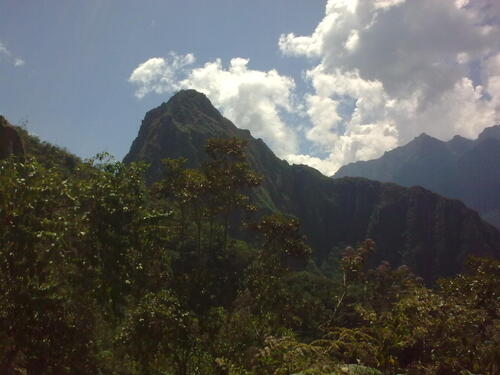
11, 142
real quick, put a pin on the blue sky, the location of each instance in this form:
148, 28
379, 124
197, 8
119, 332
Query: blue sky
73, 87
324, 83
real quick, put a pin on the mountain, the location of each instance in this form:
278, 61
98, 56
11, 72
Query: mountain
461, 168
411, 226
14, 140
10, 140
491, 132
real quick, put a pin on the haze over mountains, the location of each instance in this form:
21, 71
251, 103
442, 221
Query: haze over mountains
411, 226
461, 168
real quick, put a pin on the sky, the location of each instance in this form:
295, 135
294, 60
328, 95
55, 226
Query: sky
324, 83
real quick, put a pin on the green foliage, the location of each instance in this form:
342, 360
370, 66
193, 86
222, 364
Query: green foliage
48, 154
159, 334
286, 355
121, 231
451, 329
267, 277
101, 273
46, 320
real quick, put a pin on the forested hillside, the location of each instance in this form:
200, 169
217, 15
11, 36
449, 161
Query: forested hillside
168, 203
415, 227
103, 273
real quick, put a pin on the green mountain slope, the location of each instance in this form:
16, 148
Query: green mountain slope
413, 226
31, 146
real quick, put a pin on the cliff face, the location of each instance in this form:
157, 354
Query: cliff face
181, 127
460, 168
412, 226
10, 140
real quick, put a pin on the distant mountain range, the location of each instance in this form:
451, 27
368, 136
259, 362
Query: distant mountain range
411, 226
461, 168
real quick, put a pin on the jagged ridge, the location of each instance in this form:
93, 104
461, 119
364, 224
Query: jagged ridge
411, 226
460, 168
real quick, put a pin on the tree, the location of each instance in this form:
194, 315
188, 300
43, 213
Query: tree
160, 335
228, 177
207, 204
46, 320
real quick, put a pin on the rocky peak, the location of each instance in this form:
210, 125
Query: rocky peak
459, 144
194, 100
10, 140
180, 128
424, 139
185, 107
491, 132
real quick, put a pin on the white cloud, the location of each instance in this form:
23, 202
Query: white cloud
401, 68
6, 55
3, 50
380, 72
160, 75
252, 99
385, 4
401, 44
352, 41
492, 82
323, 165
323, 113
19, 62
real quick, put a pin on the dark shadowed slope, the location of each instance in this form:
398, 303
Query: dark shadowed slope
411, 226
460, 168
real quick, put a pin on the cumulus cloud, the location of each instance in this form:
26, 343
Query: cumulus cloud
3, 50
379, 73
405, 68
160, 75
6, 55
19, 62
492, 81
252, 99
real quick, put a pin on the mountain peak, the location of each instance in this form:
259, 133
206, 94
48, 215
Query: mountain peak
459, 144
458, 138
425, 140
180, 128
491, 132
424, 137
191, 96
192, 101
424, 143
459, 168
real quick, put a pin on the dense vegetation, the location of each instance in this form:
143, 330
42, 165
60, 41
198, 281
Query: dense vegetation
413, 226
101, 273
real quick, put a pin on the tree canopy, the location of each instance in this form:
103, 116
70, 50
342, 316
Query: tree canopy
102, 273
